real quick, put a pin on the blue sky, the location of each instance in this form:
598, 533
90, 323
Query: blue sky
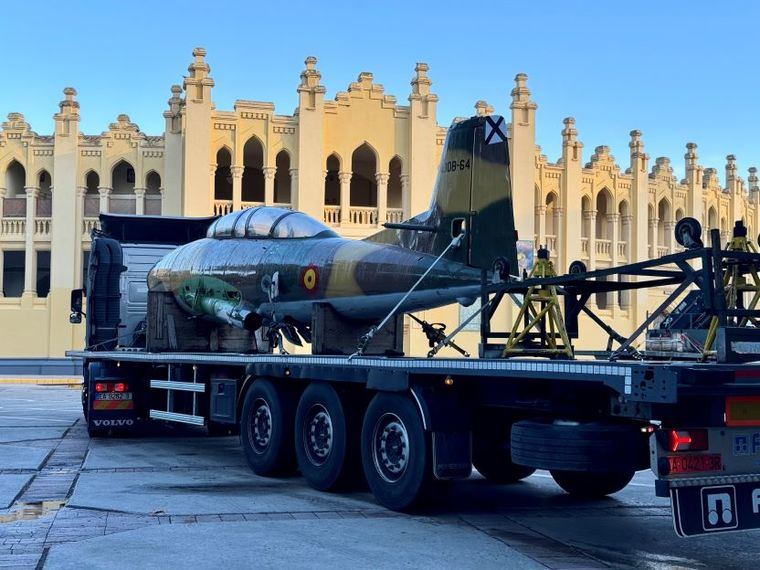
678, 71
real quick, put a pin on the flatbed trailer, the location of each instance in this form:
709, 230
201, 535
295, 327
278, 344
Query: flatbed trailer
406, 424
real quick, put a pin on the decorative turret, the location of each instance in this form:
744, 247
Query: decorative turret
172, 114
754, 185
639, 158
731, 177
521, 94
310, 88
68, 114
199, 83
421, 92
482, 108
421, 82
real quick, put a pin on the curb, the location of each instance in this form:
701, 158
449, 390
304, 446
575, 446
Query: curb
72, 381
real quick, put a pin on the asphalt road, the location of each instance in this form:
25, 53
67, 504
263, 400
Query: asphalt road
179, 499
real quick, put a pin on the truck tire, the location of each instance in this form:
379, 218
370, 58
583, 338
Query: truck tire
327, 438
491, 454
592, 485
396, 453
266, 429
569, 446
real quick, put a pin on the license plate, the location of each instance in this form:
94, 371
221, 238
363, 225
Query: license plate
694, 463
716, 508
114, 396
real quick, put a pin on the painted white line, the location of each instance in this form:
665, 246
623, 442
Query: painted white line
544, 476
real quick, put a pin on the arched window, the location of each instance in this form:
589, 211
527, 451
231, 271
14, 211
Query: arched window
122, 200
153, 194
223, 175
549, 216
363, 183
585, 223
712, 219
395, 187
663, 216
332, 181
282, 181
45, 198
14, 204
603, 209
253, 173
15, 180
92, 197
679, 214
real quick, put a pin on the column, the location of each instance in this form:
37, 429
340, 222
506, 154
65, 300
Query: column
523, 151
2, 197
612, 221
653, 237
140, 201
382, 196
237, 186
627, 223
404, 197
30, 258
294, 188
670, 241
105, 194
345, 196
569, 231
561, 263
2, 260
590, 220
79, 230
269, 173
540, 225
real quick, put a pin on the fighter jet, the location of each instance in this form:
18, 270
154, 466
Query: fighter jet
268, 266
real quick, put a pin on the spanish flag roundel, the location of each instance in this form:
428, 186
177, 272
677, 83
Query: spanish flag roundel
310, 278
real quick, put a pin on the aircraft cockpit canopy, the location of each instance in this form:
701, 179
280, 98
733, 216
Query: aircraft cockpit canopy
268, 222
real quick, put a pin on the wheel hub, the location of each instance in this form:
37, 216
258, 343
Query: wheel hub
318, 434
390, 447
261, 426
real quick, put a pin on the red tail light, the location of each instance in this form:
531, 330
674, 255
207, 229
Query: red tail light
687, 440
111, 387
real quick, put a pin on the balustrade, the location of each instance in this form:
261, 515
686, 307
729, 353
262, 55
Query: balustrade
331, 215
42, 227
222, 207
394, 215
12, 228
603, 247
362, 216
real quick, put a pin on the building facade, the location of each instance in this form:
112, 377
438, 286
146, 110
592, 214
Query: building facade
355, 161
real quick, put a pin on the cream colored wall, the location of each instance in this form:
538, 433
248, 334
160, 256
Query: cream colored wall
185, 158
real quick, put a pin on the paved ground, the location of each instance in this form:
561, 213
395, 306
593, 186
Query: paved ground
183, 499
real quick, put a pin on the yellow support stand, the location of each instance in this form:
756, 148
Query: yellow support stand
735, 283
542, 311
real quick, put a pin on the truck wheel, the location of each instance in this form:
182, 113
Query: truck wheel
591, 485
572, 446
396, 452
326, 438
491, 453
266, 429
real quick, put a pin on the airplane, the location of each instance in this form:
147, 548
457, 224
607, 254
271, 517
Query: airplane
268, 266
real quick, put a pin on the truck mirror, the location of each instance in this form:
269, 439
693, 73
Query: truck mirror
76, 306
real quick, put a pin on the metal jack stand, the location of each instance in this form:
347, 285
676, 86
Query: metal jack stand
735, 284
540, 307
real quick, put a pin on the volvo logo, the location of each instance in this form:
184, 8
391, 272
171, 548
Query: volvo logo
113, 423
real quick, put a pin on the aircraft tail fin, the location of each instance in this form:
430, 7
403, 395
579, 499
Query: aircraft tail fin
473, 191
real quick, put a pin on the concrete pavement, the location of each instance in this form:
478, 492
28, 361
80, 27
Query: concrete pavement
179, 499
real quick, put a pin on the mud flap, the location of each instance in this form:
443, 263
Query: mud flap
452, 454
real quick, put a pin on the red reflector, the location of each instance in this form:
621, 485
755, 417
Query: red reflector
743, 410
120, 387
694, 463
687, 440
102, 387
